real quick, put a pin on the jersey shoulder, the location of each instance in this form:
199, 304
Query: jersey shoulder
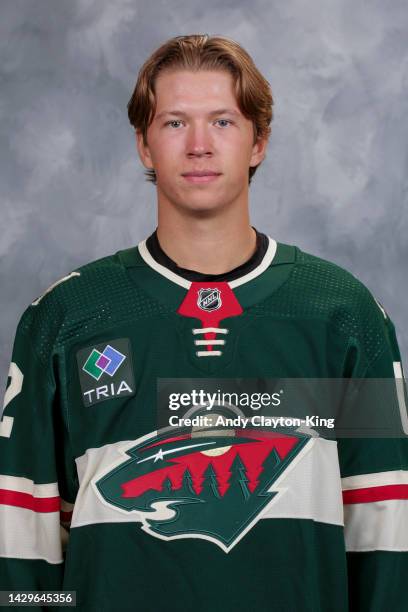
93, 277
331, 289
89, 294
322, 291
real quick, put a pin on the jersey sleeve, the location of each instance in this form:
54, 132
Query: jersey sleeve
375, 482
37, 472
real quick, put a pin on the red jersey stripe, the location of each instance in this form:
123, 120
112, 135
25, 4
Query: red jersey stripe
374, 494
25, 500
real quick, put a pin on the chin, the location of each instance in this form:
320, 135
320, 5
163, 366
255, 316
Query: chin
189, 200
201, 205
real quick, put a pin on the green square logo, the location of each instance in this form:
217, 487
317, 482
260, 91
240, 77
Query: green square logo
106, 371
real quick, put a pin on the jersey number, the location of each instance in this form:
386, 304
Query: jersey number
14, 388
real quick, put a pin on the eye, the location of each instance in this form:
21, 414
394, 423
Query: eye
173, 121
225, 121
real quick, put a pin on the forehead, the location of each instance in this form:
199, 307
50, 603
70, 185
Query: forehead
189, 90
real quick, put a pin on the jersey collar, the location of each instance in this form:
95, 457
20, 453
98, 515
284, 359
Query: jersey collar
183, 282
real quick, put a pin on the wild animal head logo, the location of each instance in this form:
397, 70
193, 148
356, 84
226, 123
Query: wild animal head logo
215, 485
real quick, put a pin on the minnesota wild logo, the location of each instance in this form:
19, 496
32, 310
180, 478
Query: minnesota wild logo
213, 485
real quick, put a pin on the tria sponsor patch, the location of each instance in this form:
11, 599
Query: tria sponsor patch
106, 371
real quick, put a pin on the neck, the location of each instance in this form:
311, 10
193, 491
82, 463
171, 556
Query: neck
213, 244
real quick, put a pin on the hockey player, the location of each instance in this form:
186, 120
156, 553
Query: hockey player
96, 496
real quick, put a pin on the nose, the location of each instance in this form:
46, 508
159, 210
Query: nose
198, 141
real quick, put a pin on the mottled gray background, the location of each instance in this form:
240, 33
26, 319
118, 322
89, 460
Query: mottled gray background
335, 178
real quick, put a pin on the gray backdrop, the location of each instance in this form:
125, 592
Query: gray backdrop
335, 178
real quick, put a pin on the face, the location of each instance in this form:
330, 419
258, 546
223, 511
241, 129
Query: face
198, 129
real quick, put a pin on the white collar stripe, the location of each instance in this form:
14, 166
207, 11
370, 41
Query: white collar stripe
183, 282
176, 278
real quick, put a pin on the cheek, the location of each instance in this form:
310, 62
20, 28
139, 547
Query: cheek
168, 151
236, 147
237, 158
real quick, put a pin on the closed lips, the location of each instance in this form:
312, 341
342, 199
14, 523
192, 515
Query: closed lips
201, 173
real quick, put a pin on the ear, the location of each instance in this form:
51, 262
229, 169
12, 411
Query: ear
143, 150
258, 151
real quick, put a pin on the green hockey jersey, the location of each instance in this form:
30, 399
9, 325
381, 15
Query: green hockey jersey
97, 498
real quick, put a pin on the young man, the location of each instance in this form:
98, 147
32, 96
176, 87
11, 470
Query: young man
187, 517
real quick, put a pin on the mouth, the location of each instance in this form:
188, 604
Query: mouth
201, 176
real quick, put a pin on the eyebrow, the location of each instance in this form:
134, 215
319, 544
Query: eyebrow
219, 111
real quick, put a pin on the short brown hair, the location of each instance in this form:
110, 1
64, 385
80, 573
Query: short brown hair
203, 52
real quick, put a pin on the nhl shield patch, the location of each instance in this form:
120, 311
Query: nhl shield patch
209, 299
106, 371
